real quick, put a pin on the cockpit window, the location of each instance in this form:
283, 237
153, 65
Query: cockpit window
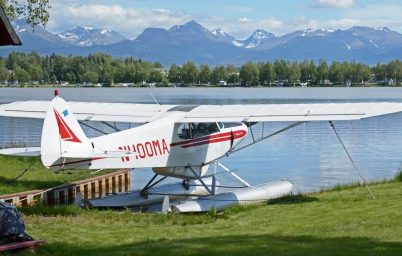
184, 131
220, 125
196, 130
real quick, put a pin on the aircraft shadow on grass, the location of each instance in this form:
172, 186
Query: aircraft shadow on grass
235, 245
292, 199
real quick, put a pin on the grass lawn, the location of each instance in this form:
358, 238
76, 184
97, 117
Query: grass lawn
36, 177
338, 222
343, 221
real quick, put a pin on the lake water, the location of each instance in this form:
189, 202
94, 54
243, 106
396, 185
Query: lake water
308, 155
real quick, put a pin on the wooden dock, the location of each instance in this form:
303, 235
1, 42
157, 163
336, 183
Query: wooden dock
65, 194
21, 245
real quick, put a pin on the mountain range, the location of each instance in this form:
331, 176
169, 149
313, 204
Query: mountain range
193, 42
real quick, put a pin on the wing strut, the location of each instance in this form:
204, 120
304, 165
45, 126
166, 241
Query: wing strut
351, 159
256, 140
95, 129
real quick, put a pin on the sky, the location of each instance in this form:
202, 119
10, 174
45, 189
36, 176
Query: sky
236, 17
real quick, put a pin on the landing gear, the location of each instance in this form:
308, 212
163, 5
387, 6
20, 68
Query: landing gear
199, 178
210, 186
151, 184
212, 190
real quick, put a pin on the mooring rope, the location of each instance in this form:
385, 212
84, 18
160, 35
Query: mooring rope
22, 174
351, 159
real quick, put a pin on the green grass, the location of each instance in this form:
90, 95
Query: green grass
398, 176
336, 222
36, 177
340, 221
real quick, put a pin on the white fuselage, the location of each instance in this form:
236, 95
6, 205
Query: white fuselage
158, 145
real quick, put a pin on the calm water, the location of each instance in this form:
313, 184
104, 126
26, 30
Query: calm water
308, 155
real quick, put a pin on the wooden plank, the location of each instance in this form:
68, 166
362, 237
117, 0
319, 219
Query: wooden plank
25, 193
118, 181
20, 245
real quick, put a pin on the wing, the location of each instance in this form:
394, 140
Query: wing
90, 111
290, 112
143, 113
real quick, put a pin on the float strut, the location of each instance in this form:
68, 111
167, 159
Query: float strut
150, 184
202, 182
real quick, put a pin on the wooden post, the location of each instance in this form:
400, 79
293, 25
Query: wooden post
114, 184
56, 197
120, 177
100, 187
62, 196
70, 195
108, 186
85, 196
93, 190
30, 199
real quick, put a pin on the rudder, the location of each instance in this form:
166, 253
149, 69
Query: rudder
62, 135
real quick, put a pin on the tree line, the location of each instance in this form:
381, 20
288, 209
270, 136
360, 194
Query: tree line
102, 69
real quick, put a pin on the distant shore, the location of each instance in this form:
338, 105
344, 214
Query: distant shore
196, 86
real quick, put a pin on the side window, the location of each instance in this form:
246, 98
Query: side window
203, 129
184, 131
188, 131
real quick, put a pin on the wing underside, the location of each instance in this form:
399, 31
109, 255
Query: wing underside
89, 111
143, 113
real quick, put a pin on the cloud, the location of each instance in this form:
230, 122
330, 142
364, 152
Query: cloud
333, 3
130, 21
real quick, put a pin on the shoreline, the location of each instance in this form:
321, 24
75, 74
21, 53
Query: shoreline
196, 87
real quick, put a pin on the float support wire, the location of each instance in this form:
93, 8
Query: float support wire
245, 183
351, 160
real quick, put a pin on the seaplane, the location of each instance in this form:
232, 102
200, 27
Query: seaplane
179, 141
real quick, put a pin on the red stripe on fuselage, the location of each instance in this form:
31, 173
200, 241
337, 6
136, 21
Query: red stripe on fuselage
220, 137
200, 139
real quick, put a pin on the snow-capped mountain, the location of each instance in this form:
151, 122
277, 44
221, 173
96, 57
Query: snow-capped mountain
312, 32
222, 36
87, 36
190, 31
258, 37
193, 42
35, 37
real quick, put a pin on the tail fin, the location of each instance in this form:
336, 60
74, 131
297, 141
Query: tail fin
62, 135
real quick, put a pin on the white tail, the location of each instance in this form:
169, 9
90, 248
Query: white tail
62, 137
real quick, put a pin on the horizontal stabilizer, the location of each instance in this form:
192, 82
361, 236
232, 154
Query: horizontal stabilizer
32, 151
